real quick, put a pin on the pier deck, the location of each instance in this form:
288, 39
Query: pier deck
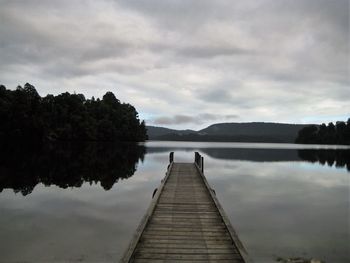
185, 222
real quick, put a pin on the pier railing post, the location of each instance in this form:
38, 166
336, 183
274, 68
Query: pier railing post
171, 157
196, 158
202, 164
199, 160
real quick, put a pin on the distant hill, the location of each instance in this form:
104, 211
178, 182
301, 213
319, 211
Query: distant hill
154, 132
231, 132
253, 129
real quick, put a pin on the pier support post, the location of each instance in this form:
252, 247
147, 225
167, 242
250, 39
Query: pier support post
199, 160
171, 157
202, 164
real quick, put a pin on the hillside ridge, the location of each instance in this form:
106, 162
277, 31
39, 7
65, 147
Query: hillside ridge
231, 132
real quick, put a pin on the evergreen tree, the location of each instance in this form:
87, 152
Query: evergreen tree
24, 115
307, 135
326, 134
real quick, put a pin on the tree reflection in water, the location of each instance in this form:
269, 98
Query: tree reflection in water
338, 158
23, 166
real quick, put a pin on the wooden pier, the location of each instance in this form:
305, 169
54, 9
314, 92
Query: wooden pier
185, 222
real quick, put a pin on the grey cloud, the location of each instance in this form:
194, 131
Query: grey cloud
170, 10
177, 119
231, 116
217, 95
60, 47
211, 51
216, 117
195, 119
208, 116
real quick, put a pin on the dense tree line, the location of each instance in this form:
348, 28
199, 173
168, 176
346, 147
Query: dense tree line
326, 134
25, 115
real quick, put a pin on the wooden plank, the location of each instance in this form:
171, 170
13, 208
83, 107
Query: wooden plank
198, 238
184, 225
176, 216
178, 231
184, 228
184, 245
197, 205
164, 202
182, 200
142, 260
176, 256
207, 242
188, 235
179, 210
182, 220
185, 251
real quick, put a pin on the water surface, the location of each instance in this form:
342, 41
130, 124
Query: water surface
82, 203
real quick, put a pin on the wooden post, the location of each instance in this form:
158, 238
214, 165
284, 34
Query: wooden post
202, 164
171, 157
199, 160
197, 157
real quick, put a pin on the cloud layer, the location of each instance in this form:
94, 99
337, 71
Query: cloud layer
193, 119
186, 63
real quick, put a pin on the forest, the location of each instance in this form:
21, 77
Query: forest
25, 115
326, 134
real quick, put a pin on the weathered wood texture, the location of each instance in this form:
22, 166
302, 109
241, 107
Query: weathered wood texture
186, 223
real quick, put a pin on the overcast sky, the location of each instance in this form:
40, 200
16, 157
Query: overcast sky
186, 63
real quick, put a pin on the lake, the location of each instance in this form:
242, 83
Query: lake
82, 203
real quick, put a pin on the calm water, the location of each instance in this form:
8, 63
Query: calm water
82, 203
